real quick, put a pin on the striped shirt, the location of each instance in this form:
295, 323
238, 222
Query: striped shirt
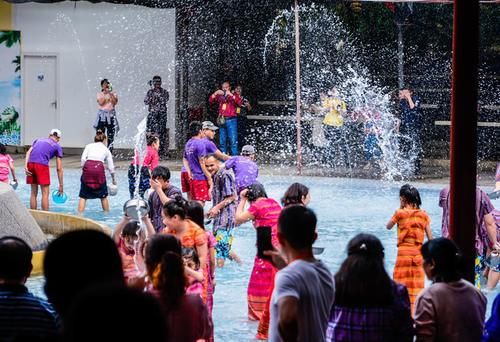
411, 226
224, 186
23, 315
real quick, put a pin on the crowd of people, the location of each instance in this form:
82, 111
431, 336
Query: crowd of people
154, 279
158, 273
344, 136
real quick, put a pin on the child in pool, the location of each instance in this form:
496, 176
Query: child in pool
192, 271
6, 165
413, 224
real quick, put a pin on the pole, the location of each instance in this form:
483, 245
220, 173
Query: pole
401, 79
463, 162
297, 88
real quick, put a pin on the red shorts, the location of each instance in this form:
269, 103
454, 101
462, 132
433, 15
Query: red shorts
185, 181
199, 190
40, 174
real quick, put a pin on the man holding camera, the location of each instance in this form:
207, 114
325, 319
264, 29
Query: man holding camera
156, 99
227, 118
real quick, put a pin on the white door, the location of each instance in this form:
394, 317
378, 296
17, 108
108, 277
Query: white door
40, 96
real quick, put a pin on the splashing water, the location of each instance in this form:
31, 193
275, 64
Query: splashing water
140, 149
330, 57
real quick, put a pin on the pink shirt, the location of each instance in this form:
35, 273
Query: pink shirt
5, 164
108, 105
266, 212
151, 160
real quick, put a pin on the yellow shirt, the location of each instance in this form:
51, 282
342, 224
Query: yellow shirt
333, 117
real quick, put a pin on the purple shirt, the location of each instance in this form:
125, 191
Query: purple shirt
155, 206
210, 146
245, 171
391, 323
483, 208
43, 150
195, 149
224, 186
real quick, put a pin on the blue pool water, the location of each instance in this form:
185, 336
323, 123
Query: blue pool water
344, 208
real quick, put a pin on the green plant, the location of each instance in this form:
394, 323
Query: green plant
10, 38
17, 62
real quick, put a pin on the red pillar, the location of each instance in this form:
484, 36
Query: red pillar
464, 129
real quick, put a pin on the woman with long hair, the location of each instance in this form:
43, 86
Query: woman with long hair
451, 309
264, 212
93, 181
368, 305
186, 315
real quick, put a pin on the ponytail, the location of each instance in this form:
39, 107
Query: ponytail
178, 207
171, 281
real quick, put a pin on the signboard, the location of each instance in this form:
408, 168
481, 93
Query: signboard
10, 87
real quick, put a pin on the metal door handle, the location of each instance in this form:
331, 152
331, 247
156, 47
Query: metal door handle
54, 104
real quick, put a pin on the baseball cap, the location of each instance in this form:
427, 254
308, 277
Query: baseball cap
55, 132
247, 150
209, 125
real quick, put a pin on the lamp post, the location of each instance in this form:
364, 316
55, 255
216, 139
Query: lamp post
297, 89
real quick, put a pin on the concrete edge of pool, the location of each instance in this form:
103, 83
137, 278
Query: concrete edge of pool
54, 224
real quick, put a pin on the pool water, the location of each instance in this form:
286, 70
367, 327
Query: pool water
345, 207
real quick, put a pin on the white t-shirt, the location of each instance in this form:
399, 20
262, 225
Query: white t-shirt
313, 285
98, 151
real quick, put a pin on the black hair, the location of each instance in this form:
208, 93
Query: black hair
131, 228
294, 194
69, 254
158, 245
3, 149
194, 128
151, 139
16, 256
178, 206
362, 280
446, 257
195, 213
410, 195
104, 80
100, 136
191, 253
297, 224
171, 281
255, 191
156, 77
161, 172
97, 312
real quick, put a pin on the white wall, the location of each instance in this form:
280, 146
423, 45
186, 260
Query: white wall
127, 44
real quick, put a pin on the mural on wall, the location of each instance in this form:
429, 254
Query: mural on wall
10, 87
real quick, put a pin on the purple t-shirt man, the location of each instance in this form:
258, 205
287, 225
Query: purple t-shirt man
43, 150
195, 149
210, 146
245, 171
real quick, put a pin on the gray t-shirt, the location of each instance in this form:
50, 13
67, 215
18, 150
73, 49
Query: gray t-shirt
313, 285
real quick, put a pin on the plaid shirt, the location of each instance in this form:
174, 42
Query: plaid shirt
356, 324
224, 186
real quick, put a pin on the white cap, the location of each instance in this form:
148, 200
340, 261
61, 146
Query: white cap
55, 132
